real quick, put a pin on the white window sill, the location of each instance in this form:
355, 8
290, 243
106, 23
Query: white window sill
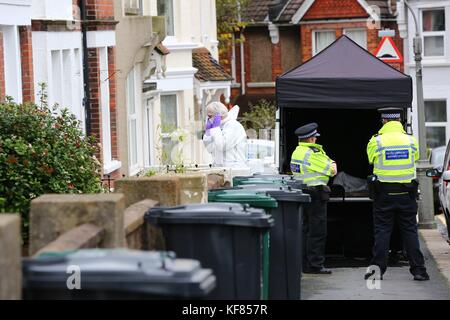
261, 84
173, 44
134, 171
112, 166
431, 63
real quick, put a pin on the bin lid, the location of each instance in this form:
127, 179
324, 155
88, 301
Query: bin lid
253, 198
260, 181
232, 214
264, 176
296, 184
155, 273
279, 192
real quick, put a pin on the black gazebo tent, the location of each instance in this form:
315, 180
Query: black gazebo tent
344, 75
329, 88
340, 89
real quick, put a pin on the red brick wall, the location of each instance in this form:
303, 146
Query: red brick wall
372, 37
398, 42
96, 108
306, 32
26, 55
238, 63
100, 9
277, 68
95, 96
2, 69
333, 9
247, 61
112, 100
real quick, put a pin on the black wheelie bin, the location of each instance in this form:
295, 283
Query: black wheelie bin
229, 238
286, 240
114, 274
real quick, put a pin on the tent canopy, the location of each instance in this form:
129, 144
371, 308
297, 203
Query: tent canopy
344, 75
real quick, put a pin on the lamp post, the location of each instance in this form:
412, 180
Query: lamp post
426, 203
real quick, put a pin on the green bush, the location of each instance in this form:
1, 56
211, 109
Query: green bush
42, 151
261, 116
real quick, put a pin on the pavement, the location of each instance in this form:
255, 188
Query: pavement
397, 283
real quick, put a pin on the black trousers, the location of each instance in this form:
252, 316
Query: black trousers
401, 208
314, 233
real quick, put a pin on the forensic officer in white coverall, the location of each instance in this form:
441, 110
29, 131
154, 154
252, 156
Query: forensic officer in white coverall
225, 138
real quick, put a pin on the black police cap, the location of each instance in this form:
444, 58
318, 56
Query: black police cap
390, 113
307, 131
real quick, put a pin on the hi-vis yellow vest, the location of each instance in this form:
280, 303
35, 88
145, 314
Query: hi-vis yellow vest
310, 163
393, 154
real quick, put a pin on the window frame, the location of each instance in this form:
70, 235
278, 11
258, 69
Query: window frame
170, 32
313, 39
439, 124
168, 93
425, 34
134, 167
133, 11
358, 29
149, 133
177, 100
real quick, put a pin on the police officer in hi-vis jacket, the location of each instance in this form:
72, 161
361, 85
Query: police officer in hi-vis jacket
310, 163
393, 154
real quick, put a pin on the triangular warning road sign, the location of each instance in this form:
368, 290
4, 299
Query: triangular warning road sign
388, 51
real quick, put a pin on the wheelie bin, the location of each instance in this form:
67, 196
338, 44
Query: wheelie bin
238, 179
285, 267
255, 200
229, 238
269, 179
110, 274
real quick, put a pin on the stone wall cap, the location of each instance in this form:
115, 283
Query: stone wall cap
104, 197
153, 178
7, 218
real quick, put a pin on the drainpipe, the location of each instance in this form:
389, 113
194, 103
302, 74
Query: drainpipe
233, 58
242, 51
87, 89
242, 67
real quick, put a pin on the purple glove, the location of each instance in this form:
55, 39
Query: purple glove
213, 124
217, 121
208, 125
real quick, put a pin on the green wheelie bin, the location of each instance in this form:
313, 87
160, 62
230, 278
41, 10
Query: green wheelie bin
255, 200
286, 240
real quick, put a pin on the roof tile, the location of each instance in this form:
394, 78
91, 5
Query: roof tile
257, 10
208, 67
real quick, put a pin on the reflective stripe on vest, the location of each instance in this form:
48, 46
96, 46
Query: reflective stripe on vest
380, 165
312, 178
393, 172
396, 178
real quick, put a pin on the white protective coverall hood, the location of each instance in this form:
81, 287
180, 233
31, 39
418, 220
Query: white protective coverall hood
228, 143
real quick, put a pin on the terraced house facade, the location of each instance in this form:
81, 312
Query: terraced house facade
282, 34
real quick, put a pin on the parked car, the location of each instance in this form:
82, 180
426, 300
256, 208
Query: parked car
437, 160
443, 175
